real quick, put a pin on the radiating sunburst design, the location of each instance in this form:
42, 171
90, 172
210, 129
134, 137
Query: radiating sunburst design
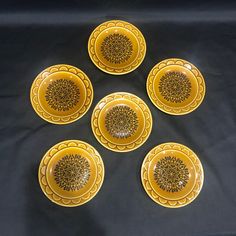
62, 95
72, 172
121, 121
116, 48
175, 86
171, 174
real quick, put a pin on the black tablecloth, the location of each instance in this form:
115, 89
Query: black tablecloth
34, 36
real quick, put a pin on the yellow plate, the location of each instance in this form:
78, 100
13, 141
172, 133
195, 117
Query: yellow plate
71, 173
61, 94
176, 86
172, 175
117, 47
121, 122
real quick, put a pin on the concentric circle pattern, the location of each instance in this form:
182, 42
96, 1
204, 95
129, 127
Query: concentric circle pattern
116, 47
71, 173
121, 122
176, 86
61, 94
172, 175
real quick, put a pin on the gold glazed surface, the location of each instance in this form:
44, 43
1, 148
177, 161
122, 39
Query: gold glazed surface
176, 86
71, 173
116, 47
121, 122
172, 175
61, 94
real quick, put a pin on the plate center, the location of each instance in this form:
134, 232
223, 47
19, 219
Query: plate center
72, 172
121, 121
171, 174
62, 95
175, 86
116, 48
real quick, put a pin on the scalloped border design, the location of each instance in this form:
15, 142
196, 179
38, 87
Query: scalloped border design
119, 23
75, 201
198, 184
61, 119
170, 110
122, 148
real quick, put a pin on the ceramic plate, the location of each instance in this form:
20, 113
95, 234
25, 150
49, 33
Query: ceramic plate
176, 86
117, 47
61, 94
71, 173
121, 122
172, 175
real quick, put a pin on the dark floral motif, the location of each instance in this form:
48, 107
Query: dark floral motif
121, 121
116, 48
171, 174
72, 172
62, 94
175, 87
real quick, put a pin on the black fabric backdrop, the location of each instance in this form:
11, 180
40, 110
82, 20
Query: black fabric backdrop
35, 35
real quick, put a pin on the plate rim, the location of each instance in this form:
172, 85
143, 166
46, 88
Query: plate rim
159, 199
110, 70
124, 148
98, 182
60, 120
197, 74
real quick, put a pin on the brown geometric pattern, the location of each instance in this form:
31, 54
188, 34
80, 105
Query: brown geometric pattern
201, 88
52, 195
147, 127
34, 94
171, 174
112, 69
175, 87
62, 94
121, 121
116, 48
153, 194
72, 172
